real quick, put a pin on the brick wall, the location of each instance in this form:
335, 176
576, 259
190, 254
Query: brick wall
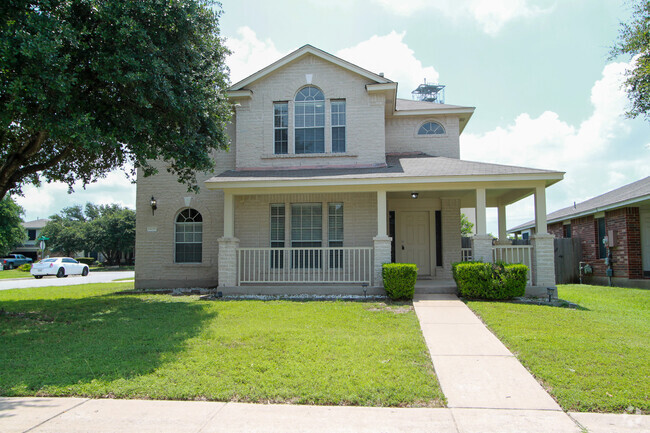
401, 136
626, 254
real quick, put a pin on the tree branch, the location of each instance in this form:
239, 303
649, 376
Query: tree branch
16, 159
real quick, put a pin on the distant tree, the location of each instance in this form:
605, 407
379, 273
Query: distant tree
634, 40
108, 229
112, 232
12, 232
466, 226
90, 86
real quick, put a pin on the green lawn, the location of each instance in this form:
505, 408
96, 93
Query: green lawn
86, 340
14, 273
594, 358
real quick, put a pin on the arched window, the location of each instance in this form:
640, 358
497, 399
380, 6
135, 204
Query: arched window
310, 121
431, 128
189, 236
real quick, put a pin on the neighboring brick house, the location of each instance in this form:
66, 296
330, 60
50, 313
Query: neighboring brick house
328, 176
623, 216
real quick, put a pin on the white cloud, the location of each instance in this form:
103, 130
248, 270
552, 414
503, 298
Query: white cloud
390, 54
491, 15
597, 155
249, 54
49, 199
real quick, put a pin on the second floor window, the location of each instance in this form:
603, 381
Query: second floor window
338, 126
281, 128
310, 121
431, 128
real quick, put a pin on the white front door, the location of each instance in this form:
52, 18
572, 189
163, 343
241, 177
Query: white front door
645, 240
412, 243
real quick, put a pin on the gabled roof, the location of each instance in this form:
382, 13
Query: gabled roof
626, 195
406, 107
36, 224
302, 51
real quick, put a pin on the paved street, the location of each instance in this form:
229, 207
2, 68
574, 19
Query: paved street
93, 277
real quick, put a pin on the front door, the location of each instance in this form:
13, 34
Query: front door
412, 244
645, 241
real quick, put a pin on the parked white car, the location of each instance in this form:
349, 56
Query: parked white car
59, 266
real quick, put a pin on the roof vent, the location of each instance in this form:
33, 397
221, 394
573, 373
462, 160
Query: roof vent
381, 74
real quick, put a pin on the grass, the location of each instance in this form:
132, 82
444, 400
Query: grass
111, 268
14, 273
593, 358
85, 340
124, 279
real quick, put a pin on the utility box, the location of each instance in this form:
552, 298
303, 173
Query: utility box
611, 237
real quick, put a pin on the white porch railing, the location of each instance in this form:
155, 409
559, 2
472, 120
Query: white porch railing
514, 254
352, 265
466, 255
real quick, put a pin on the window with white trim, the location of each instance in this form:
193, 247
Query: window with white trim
189, 237
306, 232
431, 128
281, 128
309, 125
338, 126
277, 234
335, 233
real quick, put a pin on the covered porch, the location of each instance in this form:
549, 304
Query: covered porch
333, 232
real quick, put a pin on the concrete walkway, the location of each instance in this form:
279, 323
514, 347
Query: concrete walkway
77, 415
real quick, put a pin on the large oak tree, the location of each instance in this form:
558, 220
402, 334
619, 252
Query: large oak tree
634, 40
87, 86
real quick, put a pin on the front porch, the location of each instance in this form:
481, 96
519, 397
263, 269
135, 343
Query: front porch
293, 229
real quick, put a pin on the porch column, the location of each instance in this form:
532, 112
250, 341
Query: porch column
543, 248
503, 236
381, 241
481, 243
228, 245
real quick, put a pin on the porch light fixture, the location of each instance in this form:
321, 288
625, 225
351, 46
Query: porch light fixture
154, 205
414, 195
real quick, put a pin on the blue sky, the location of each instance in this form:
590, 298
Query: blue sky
546, 93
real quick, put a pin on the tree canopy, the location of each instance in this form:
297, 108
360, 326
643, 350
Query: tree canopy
466, 226
634, 40
87, 86
12, 232
109, 229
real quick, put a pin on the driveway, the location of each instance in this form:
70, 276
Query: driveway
93, 277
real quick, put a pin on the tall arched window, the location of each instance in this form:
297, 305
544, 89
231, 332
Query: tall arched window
189, 236
310, 121
431, 128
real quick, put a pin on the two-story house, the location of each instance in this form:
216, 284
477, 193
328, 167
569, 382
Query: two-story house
329, 175
30, 248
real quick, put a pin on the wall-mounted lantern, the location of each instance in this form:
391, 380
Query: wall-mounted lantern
154, 205
414, 195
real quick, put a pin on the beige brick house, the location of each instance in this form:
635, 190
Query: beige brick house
328, 176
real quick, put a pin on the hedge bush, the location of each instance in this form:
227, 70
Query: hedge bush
478, 280
26, 267
86, 260
399, 280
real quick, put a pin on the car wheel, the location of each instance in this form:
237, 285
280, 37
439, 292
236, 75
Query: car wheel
84, 273
38, 277
60, 273
11, 266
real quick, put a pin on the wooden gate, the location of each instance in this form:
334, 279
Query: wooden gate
568, 253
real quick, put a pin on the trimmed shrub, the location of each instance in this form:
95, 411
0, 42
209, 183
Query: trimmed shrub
478, 280
86, 260
25, 267
399, 280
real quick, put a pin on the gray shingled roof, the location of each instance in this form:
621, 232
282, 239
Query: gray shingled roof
36, 224
638, 190
409, 105
397, 165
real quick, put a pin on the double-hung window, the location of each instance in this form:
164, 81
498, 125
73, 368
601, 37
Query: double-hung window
277, 235
309, 126
306, 233
602, 251
335, 233
338, 126
189, 237
281, 128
